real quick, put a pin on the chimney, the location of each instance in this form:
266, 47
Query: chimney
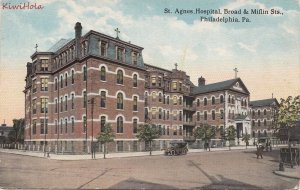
201, 81
78, 29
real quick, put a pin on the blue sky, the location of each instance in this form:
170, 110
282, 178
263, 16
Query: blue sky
266, 51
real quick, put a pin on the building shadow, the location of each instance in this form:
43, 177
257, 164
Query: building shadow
221, 182
132, 183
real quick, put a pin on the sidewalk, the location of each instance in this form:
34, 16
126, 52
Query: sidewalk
289, 172
109, 155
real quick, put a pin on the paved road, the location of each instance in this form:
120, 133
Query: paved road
207, 170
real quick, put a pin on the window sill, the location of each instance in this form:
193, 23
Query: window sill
120, 84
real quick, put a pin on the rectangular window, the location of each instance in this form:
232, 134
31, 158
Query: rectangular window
34, 126
180, 86
119, 146
34, 86
44, 65
174, 85
44, 84
180, 115
103, 48
84, 73
43, 127
102, 124
44, 105
159, 81
153, 81
198, 116
134, 58
34, 106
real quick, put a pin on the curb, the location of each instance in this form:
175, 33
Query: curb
285, 175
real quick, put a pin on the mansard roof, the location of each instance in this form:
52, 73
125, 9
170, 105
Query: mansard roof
264, 103
219, 86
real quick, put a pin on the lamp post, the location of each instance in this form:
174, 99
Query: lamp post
92, 101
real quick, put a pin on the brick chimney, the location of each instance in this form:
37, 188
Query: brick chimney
78, 30
201, 81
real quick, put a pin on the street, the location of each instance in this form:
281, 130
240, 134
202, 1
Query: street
208, 170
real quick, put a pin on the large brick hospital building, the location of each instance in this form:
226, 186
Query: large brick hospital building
126, 92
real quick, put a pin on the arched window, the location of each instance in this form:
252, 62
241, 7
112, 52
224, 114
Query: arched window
159, 113
265, 133
120, 125
205, 115
84, 73
265, 112
198, 116
103, 99
232, 100
265, 122
153, 96
134, 126
120, 101
120, 77
180, 100
198, 102
175, 100
213, 115
135, 103
168, 100
135, 80
103, 74
159, 97
146, 99
66, 79
56, 84
84, 99
221, 99
229, 98
72, 77
253, 113
258, 123
61, 81
258, 112
168, 130
205, 101
253, 123
213, 100
102, 124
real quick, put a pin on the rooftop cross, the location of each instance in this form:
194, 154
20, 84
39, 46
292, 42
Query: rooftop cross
236, 71
36, 46
176, 66
117, 31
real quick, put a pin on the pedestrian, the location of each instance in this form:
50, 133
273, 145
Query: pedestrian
259, 151
93, 150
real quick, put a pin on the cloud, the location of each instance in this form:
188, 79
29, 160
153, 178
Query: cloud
247, 47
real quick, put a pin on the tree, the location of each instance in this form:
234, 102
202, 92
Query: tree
106, 136
230, 135
205, 133
246, 138
17, 135
287, 116
147, 133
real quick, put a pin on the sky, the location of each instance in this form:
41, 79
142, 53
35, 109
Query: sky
265, 50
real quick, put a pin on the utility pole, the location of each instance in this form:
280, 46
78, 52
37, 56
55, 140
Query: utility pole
92, 101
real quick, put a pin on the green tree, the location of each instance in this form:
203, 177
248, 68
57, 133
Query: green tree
17, 135
205, 133
246, 138
286, 117
230, 135
147, 133
106, 136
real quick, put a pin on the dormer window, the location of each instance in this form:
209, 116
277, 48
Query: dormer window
103, 48
134, 58
120, 54
44, 65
